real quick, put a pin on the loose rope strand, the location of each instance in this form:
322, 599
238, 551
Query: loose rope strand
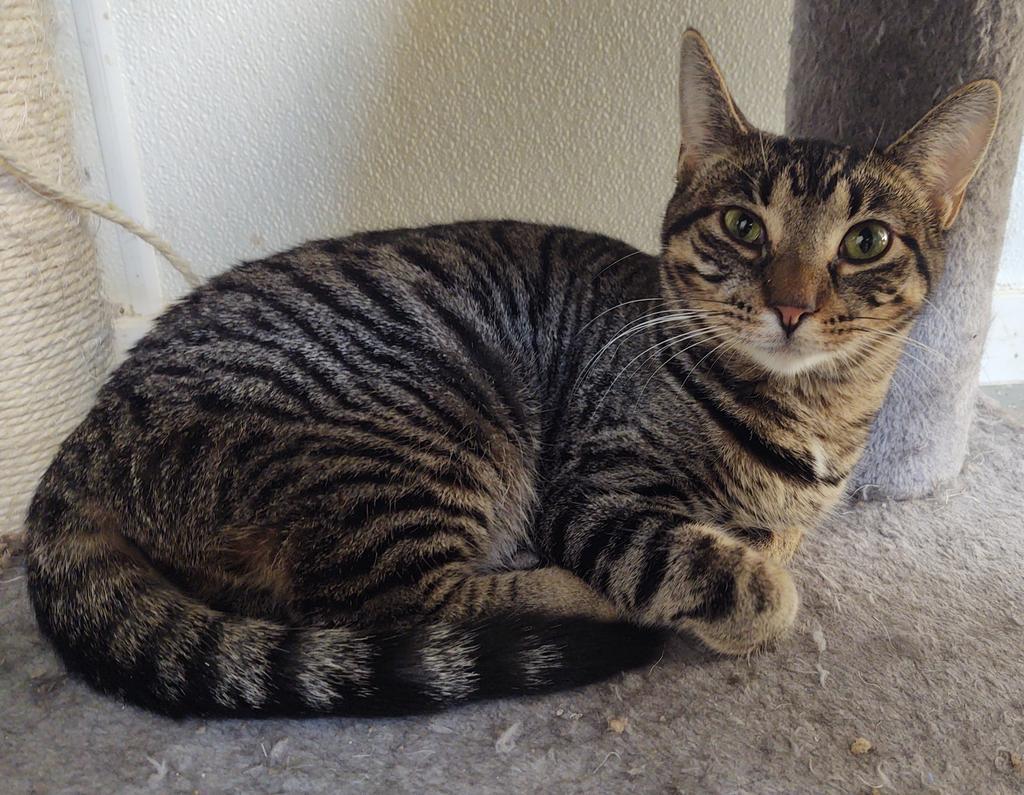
108, 210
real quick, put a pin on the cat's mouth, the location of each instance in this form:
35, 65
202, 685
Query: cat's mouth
789, 358
784, 354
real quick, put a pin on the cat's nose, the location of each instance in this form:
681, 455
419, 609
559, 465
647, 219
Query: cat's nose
791, 316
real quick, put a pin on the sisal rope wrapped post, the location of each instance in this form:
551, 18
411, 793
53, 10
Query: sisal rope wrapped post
55, 327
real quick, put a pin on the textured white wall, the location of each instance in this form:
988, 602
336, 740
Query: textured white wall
1011, 268
261, 124
1003, 360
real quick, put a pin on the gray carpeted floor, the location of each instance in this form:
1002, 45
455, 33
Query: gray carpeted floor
911, 636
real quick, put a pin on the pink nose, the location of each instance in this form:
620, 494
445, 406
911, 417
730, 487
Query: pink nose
791, 316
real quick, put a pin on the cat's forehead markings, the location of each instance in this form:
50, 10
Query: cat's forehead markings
814, 222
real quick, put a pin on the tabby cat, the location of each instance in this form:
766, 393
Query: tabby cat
401, 470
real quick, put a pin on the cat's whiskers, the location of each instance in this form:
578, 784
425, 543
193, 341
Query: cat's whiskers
703, 334
900, 368
657, 313
904, 339
716, 333
878, 136
632, 327
891, 355
700, 361
900, 385
655, 349
619, 306
764, 158
636, 326
690, 332
665, 343
739, 168
733, 345
620, 259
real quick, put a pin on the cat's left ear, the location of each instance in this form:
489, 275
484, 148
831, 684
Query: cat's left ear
946, 147
708, 118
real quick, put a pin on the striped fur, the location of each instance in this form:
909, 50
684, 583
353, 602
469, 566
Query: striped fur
308, 488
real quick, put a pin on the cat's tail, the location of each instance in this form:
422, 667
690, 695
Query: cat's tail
117, 622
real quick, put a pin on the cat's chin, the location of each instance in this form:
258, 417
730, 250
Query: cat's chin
786, 359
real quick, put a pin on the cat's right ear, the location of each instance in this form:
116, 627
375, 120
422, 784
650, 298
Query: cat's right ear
708, 118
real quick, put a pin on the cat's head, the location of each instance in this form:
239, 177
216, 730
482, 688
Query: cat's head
800, 255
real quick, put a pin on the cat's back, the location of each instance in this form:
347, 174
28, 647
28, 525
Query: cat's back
451, 342
508, 295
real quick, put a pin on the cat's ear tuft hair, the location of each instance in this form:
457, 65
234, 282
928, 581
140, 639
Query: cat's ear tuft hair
946, 147
709, 120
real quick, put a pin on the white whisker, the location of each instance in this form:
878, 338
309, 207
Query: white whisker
703, 332
903, 338
620, 259
714, 334
705, 356
613, 308
635, 327
764, 158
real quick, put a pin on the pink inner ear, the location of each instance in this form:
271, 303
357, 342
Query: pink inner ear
708, 119
959, 159
959, 153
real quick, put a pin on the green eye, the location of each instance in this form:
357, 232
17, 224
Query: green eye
743, 226
865, 241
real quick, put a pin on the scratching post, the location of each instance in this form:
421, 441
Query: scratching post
54, 324
867, 71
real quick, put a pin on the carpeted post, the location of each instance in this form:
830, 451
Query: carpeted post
863, 73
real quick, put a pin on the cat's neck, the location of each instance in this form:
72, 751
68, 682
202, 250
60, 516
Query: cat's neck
834, 404
854, 388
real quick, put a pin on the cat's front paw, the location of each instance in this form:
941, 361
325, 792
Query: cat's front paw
747, 601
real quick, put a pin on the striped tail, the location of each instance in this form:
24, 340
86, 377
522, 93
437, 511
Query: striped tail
117, 622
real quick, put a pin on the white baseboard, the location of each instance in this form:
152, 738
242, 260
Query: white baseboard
127, 331
97, 38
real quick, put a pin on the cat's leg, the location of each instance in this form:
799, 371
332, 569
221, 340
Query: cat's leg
405, 553
458, 592
661, 569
